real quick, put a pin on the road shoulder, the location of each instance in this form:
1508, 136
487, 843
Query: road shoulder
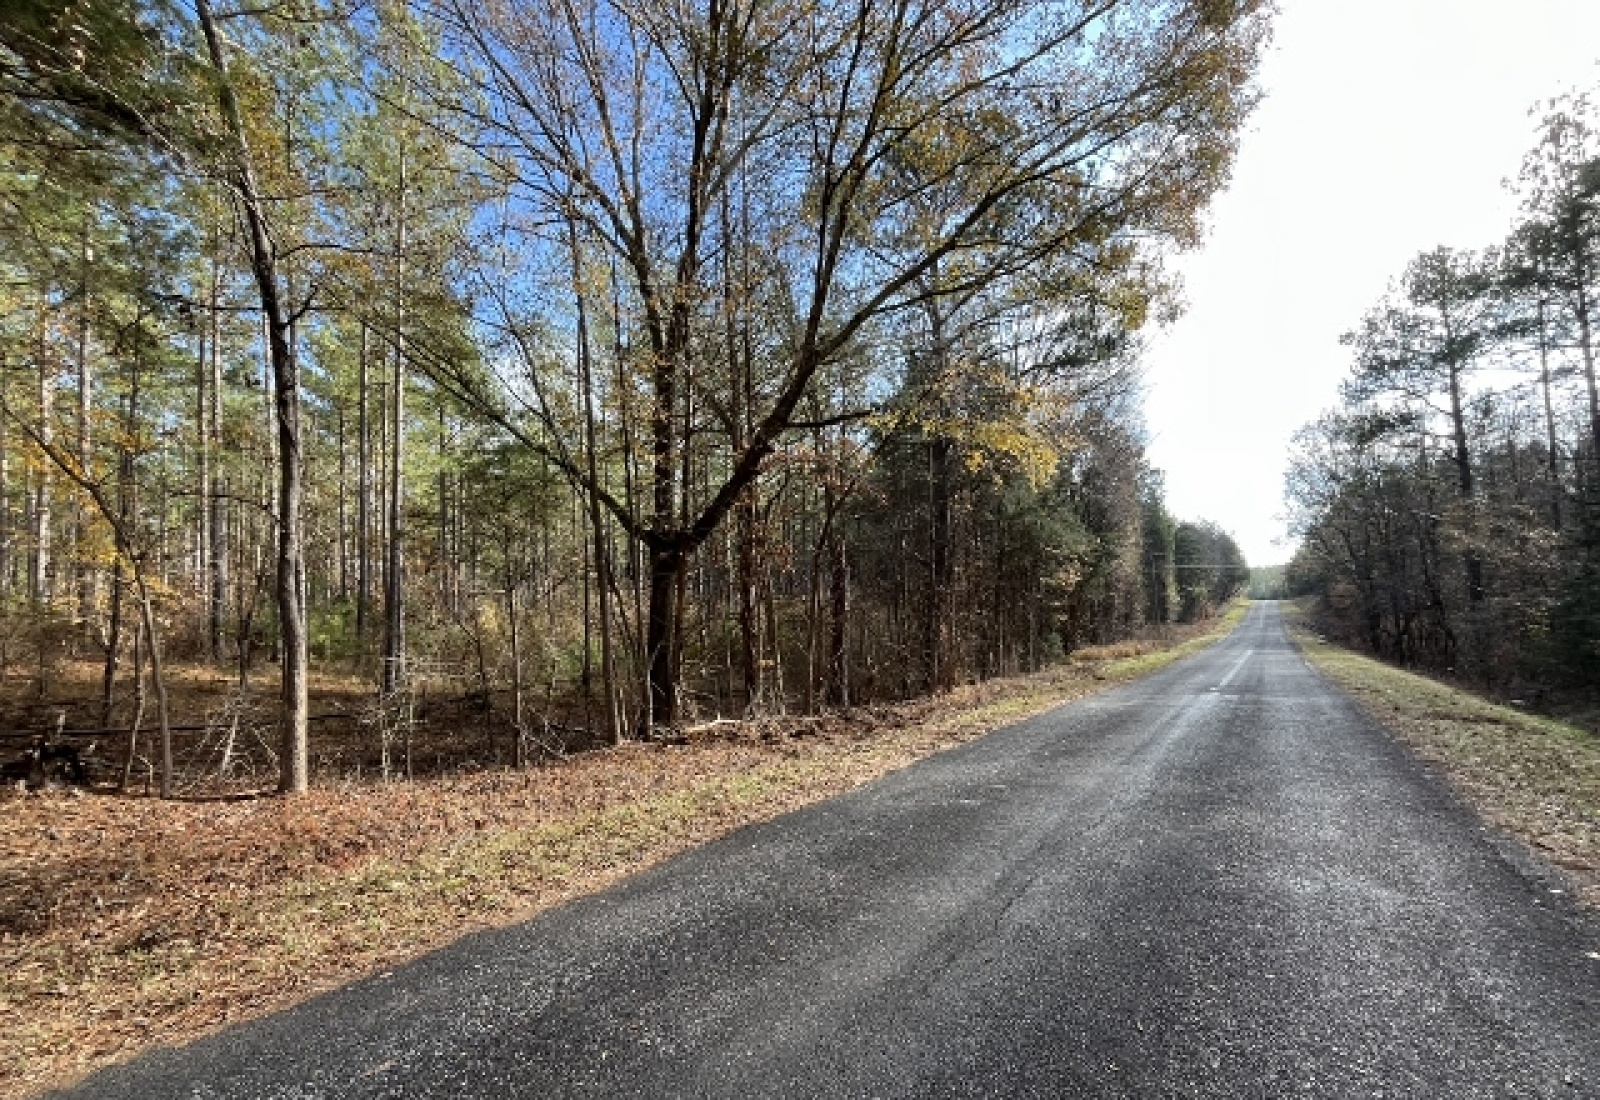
1535, 778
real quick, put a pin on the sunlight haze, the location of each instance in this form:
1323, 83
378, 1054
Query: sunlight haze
1387, 128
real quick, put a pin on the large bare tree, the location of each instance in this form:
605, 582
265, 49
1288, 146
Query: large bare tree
881, 154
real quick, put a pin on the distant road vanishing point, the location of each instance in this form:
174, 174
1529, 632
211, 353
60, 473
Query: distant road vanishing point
1220, 881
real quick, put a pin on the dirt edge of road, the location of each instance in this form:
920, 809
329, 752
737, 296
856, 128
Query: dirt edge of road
1535, 778
127, 923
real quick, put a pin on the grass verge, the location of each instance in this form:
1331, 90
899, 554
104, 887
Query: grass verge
130, 922
1534, 777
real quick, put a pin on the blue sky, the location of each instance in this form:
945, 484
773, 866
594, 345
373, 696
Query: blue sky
1389, 127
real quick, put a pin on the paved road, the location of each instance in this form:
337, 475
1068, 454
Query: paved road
1218, 882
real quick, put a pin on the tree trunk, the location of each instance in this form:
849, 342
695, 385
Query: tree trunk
838, 622
39, 568
1464, 484
749, 622
779, 695
157, 677
6, 578
341, 535
126, 504
449, 561
666, 566
108, 675
939, 502
291, 580
394, 633
1552, 451
941, 451
218, 502
1458, 430
87, 578
519, 744
201, 579
137, 721
1586, 345
394, 623
363, 494
597, 531
291, 585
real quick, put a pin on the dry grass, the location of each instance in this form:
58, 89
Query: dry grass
127, 922
1535, 777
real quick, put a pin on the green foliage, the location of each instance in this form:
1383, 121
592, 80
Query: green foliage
77, 77
1160, 558
1269, 582
331, 634
1446, 511
1571, 640
1209, 568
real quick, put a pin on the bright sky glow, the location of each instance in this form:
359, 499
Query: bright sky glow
1389, 127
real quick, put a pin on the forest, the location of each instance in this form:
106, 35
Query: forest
533, 376
1449, 508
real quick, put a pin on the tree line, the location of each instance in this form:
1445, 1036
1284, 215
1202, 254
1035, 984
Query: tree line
1449, 508
660, 362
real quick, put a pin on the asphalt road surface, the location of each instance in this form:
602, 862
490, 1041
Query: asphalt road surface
1221, 881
